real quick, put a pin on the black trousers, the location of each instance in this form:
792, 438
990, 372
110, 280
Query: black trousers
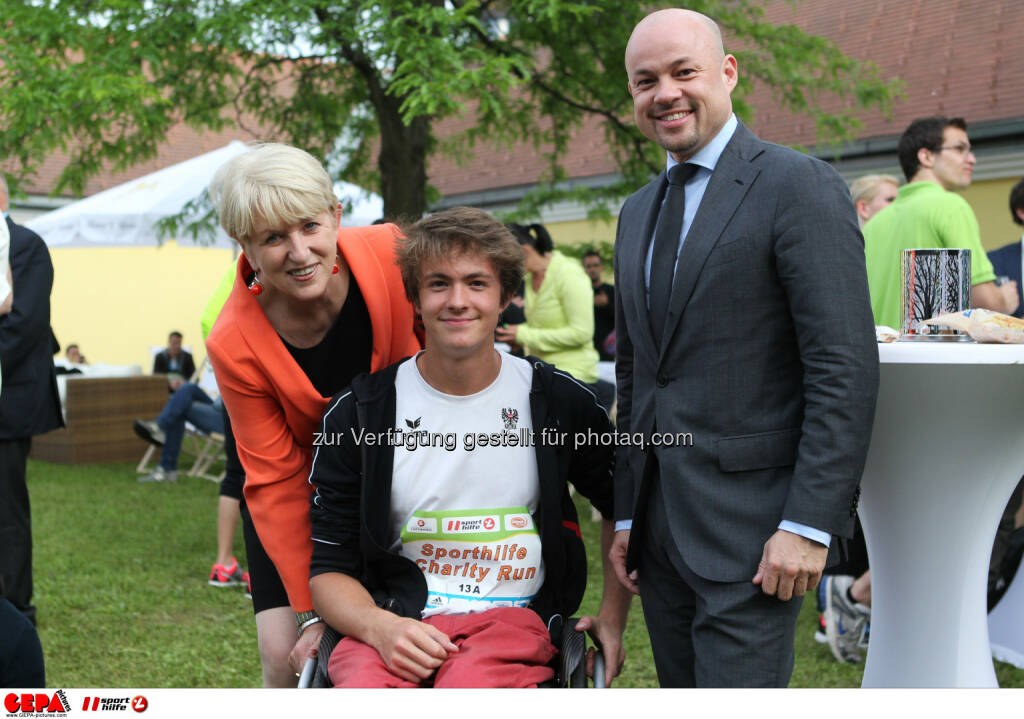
16, 526
268, 590
710, 634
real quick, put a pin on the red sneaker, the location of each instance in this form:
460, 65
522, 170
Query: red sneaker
221, 576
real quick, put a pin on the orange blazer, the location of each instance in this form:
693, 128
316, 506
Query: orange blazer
275, 409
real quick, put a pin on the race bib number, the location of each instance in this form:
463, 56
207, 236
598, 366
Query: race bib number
475, 560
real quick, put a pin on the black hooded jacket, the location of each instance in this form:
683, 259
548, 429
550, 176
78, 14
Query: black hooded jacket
351, 503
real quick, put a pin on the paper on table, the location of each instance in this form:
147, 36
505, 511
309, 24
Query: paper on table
983, 325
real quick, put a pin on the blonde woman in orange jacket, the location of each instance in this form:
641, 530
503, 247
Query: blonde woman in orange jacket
312, 306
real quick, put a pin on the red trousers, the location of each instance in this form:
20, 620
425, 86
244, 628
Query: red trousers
505, 647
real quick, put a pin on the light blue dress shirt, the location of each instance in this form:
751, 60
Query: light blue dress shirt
706, 159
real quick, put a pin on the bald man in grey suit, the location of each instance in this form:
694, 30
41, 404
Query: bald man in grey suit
742, 318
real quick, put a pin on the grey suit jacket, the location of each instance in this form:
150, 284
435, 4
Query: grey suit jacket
769, 360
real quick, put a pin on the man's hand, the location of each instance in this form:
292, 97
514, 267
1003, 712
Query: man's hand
411, 649
998, 298
1009, 291
305, 647
600, 299
607, 634
790, 565
617, 556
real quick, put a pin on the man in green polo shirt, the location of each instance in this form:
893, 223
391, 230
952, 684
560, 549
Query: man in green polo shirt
937, 160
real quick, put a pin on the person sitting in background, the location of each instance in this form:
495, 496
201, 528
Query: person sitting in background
74, 355
189, 402
871, 193
604, 304
174, 362
559, 325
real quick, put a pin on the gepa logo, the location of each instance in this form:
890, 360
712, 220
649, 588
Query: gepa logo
42, 703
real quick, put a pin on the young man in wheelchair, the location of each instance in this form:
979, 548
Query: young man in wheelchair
444, 534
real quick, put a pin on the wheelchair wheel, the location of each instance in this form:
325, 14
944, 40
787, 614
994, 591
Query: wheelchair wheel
574, 668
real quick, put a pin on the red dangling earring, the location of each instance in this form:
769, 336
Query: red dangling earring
255, 287
335, 269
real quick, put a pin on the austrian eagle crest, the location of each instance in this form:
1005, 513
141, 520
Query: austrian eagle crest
509, 416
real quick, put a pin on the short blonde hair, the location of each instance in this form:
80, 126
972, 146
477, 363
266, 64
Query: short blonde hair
279, 184
865, 188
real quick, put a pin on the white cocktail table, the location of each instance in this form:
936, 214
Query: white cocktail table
947, 450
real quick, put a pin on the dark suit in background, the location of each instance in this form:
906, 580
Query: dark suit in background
29, 404
162, 364
1006, 263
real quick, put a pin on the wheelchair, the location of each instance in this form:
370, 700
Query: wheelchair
569, 664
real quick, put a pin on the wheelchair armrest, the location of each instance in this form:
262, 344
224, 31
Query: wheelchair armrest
307, 673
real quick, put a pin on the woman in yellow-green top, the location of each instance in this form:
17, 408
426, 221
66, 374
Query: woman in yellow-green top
559, 325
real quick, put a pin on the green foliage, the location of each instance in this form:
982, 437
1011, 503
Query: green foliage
105, 80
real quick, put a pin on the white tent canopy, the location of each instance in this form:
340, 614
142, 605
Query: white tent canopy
126, 215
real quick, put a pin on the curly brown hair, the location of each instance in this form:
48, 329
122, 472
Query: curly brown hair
457, 231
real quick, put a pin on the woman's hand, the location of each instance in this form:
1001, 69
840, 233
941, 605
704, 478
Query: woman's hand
507, 334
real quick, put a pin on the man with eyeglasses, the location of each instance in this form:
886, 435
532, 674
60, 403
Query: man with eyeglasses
936, 158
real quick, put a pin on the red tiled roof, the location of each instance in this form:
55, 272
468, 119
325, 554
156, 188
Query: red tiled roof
181, 144
955, 57
959, 58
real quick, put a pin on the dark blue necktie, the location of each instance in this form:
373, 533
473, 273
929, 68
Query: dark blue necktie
666, 245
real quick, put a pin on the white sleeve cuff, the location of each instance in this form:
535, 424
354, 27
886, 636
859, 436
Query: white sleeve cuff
815, 535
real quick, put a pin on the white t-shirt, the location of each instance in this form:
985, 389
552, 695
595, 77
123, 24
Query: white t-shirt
464, 488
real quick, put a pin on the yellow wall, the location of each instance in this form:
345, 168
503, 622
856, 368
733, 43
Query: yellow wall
582, 232
115, 302
989, 198
991, 202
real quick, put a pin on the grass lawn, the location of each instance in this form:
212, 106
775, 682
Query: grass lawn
120, 586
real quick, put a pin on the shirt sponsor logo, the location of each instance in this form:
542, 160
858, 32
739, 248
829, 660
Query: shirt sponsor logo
425, 525
469, 525
518, 521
